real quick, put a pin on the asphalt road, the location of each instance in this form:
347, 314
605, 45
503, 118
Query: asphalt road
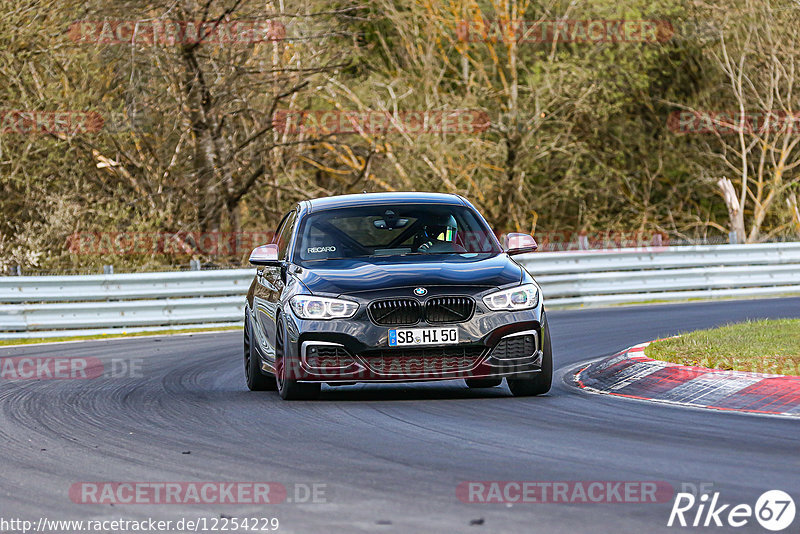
388, 457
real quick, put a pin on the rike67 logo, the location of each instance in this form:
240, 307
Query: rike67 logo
774, 510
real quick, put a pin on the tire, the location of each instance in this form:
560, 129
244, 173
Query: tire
536, 383
290, 389
478, 383
256, 379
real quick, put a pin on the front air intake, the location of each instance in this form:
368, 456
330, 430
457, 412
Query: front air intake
515, 347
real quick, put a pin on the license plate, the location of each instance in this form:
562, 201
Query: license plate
422, 336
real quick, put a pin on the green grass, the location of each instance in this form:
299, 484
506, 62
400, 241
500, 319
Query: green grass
765, 346
28, 341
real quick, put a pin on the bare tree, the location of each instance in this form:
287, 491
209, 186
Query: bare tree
530, 99
757, 137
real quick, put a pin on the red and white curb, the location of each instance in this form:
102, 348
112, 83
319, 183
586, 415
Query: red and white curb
632, 374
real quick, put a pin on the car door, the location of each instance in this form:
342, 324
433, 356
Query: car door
269, 286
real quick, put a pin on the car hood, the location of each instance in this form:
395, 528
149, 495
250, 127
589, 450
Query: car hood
357, 276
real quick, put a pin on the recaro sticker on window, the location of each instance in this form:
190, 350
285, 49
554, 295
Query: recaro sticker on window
317, 250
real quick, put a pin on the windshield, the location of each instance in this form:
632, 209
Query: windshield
392, 230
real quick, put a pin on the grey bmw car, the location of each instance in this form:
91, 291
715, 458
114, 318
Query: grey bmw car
393, 287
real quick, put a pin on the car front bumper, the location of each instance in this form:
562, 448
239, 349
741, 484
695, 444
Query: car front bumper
491, 344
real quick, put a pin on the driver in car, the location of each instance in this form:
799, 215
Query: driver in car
439, 236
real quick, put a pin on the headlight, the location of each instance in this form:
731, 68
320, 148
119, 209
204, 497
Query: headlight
311, 307
522, 297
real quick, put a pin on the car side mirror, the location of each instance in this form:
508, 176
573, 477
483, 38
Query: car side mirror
265, 255
519, 244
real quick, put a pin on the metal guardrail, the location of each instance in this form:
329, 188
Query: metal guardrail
623, 276
124, 286
50, 306
34, 306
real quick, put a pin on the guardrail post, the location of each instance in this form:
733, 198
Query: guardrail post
108, 269
194, 265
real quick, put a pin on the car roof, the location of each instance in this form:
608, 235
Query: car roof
366, 199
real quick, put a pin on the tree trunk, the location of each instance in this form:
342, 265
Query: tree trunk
795, 211
735, 211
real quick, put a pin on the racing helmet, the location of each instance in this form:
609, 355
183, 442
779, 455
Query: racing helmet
442, 228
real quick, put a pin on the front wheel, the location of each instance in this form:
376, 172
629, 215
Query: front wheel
288, 388
536, 383
256, 380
